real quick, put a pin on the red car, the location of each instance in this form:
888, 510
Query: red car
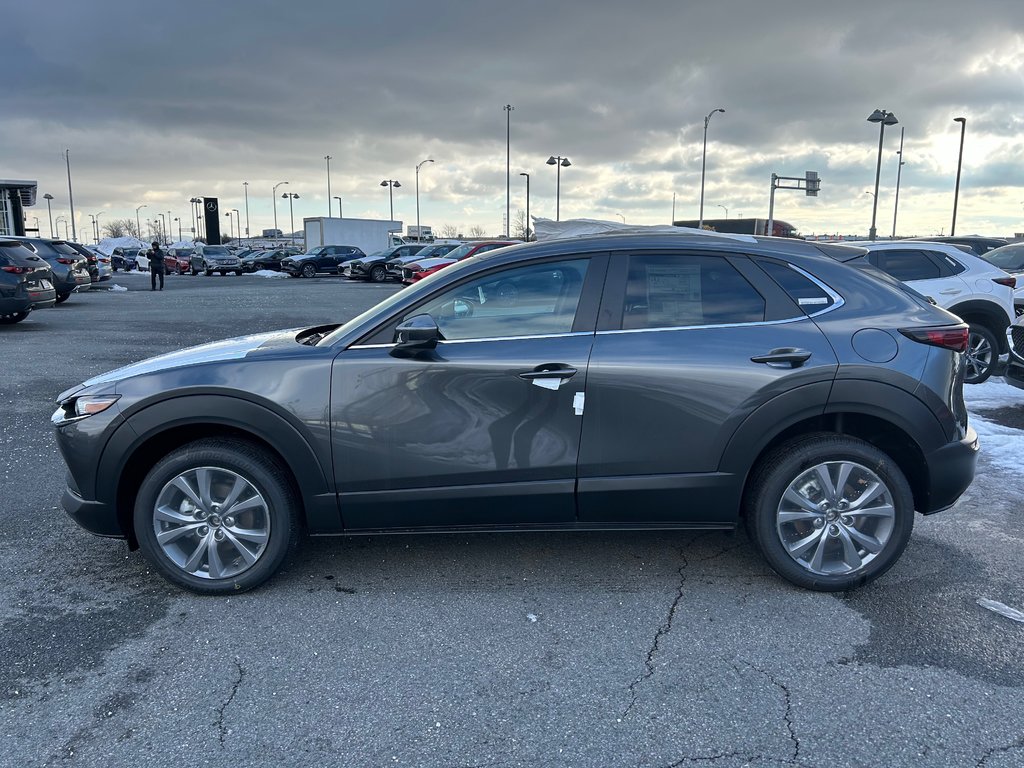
177, 261
417, 270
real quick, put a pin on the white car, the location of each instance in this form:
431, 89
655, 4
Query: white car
976, 291
143, 260
1010, 258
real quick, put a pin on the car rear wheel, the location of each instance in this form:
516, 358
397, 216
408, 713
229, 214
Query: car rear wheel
216, 516
13, 318
208, 272
62, 297
982, 352
829, 512
378, 273
308, 270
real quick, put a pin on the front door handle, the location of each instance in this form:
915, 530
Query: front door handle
784, 357
549, 371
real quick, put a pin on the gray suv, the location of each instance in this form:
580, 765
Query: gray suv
214, 258
615, 382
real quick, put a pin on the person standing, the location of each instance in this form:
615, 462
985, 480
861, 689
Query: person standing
156, 266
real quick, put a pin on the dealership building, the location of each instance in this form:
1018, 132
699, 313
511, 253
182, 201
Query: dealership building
15, 197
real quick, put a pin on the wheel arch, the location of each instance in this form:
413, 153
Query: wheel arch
156, 430
988, 314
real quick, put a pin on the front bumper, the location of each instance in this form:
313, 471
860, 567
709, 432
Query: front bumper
94, 516
951, 471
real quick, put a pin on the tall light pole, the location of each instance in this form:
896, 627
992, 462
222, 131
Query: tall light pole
559, 162
959, 164
291, 196
341, 213
703, 164
274, 198
65, 220
178, 219
724, 209
899, 172
196, 234
238, 224
508, 164
98, 227
419, 232
391, 184
527, 233
621, 217
328, 159
163, 228
231, 234
48, 197
169, 233
245, 185
71, 197
883, 118
138, 225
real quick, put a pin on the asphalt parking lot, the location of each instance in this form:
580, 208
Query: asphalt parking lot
596, 649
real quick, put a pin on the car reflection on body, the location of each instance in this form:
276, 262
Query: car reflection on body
549, 386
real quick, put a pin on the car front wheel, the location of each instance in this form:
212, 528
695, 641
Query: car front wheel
829, 512
15, 317
309, 271
216, 516
982, 352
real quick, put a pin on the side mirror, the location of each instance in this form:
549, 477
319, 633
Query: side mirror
416, 334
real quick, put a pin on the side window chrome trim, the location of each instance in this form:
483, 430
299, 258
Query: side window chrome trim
837, 300
488, 338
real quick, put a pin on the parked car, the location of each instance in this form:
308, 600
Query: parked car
418, 269
69, 267
26, 282
125, 259
1010, 259
967, 285
322, 259
977, 244
98, 264
395, 265
214, 258
366, 267
629, 381
1015, 367
178, 261
270, 260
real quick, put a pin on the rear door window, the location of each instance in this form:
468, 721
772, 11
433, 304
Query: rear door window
906, 265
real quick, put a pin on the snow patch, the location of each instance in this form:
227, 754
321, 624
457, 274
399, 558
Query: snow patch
268, 273
1003, 446
118, 289
1002, 609
994, 393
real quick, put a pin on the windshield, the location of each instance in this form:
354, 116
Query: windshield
461, 252
215, 250
1007, 257
315, 251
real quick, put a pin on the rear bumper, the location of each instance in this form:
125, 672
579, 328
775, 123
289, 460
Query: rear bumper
952, 469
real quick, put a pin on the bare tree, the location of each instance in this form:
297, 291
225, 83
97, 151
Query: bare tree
120, 228
449, 231
477, 231
520, 230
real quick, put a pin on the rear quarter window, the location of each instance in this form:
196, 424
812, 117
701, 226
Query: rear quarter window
806, 293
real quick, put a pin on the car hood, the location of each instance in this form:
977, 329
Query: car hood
228, 349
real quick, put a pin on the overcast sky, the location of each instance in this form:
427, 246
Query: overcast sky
162, 102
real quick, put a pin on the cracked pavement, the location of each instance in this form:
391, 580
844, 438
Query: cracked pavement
645, 648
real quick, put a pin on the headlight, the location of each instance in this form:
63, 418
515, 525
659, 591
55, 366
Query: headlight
77, 408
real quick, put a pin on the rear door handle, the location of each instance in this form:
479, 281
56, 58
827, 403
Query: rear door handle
549, 371
784, 357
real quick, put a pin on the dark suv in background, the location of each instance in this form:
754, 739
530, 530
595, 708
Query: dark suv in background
26, 282
323, 258
70, 268
614, 382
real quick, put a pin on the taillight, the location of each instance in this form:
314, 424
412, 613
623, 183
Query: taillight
63, 260
952, 337
1008, 281
15, 270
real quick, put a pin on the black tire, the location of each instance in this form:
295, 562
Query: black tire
238, 273
208, 272
982, 354
378, 273
308, 270
826, 530
62, 297
226, 457
13, 318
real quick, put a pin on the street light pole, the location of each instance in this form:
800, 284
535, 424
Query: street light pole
527, 233
138, 225
341, 213
391, 184
291, 196
959, 164
899, 172
238, 224
724, 209
883, 118
419, 232
48, 197
559, 162
71, 197
273, 197
92, 224
163, 227
703, 163
245, 184
328, 159
178, 219
231, 234
508, 164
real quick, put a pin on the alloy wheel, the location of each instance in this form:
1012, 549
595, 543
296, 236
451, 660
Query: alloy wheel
835, 518
978, 357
